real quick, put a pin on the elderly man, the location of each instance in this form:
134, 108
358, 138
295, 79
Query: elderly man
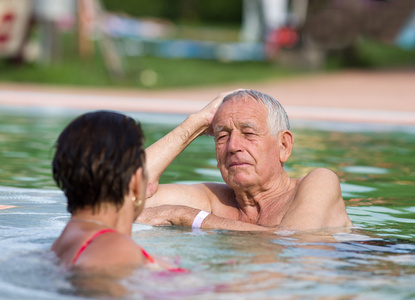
253, 141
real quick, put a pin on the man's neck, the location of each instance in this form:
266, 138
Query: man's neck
258, 202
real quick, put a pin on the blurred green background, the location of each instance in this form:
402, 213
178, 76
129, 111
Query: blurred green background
329, 30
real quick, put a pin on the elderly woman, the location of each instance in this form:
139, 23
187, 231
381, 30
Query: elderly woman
100, 166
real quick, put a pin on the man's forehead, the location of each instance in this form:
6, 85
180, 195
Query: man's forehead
245, 106
240, 118
240, 124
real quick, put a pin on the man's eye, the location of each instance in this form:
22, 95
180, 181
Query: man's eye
221, 137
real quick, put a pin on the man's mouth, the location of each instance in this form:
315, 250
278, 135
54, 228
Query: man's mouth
237, 164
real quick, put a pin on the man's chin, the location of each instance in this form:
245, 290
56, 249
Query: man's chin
239, 182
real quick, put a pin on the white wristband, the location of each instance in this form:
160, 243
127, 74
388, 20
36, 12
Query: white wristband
197, 222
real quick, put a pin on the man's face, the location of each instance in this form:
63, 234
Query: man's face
247, 154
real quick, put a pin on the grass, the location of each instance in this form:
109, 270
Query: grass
159, 73
182, 72
143, 72
370, 54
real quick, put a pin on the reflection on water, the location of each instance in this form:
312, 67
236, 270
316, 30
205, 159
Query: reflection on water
364, 170
375, 260
356, 263
372, 164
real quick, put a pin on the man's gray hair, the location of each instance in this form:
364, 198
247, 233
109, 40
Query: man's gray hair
277, 118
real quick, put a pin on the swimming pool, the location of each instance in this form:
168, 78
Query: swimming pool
376, 260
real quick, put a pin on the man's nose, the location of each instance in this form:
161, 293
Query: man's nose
235, 143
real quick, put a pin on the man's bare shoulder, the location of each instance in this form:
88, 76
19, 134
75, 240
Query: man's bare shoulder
320, 176
318, 203
320, 186
220, 194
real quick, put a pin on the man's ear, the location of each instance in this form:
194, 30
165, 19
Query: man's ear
286, 143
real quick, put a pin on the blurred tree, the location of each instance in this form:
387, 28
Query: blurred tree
168, 9
337, 26
229, 11
211, 11
189, 10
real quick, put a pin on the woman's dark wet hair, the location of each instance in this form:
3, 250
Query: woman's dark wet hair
96, 156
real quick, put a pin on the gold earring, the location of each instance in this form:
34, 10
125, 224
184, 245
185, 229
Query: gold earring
136, 204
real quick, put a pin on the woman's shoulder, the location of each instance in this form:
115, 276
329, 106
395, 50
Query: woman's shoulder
114, 248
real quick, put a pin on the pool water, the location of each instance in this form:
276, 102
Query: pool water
374, 260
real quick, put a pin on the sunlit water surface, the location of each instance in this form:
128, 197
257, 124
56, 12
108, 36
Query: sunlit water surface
374, 260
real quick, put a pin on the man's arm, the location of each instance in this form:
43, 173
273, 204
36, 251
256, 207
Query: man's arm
160, 154
184, 216
318, 203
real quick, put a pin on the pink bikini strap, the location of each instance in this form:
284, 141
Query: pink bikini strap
147, 256
86, 244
